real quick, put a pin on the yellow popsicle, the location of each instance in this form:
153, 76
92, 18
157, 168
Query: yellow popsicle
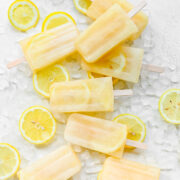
48, 47
91, 95
109, 30
59, 165
110, 64
115, 169
96, 134
98, 7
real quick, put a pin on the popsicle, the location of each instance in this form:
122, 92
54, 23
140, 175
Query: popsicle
115, 169
49, 47
97, 134
111, 64
90, 95
59, 165
109, 30
98, 7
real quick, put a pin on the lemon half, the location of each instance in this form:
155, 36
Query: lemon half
136, 127
9, 161
56, 19
42, 80
82, 5
169, 106
37, 125
23, 14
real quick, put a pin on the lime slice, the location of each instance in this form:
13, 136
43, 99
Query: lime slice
169, 106
23, 14
37, 125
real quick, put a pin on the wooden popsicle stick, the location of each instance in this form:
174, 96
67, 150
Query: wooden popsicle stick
153, 68
124, 92
137, 8
15, 63
136, 144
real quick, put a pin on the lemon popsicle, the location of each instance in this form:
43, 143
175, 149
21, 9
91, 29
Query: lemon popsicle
49, 47
122, 62
115, 169
109, 30
96, 134
89, 95
59, 165
98, 7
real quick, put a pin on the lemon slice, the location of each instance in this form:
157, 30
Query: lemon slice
56, 19
93, 75
82, 5
23, 14
43, 79
169, 106
37, 125
136, 127
9, 161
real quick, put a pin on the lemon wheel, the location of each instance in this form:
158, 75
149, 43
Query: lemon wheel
136, 127
56, 19
169, 106
9, 161
37, 125
23, 14
43, 79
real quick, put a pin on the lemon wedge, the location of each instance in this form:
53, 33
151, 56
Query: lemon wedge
136, 127
56, 19
37, 125
82, 5
42, 80
9, 161
169, 106
23, 14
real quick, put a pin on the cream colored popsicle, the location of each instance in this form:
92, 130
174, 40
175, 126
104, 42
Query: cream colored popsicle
59, 165
111, 64
115, 169
96, 134
98, 7
90, 95
109, 30
48, 47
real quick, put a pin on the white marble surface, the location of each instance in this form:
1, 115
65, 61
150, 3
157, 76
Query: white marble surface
161, 42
